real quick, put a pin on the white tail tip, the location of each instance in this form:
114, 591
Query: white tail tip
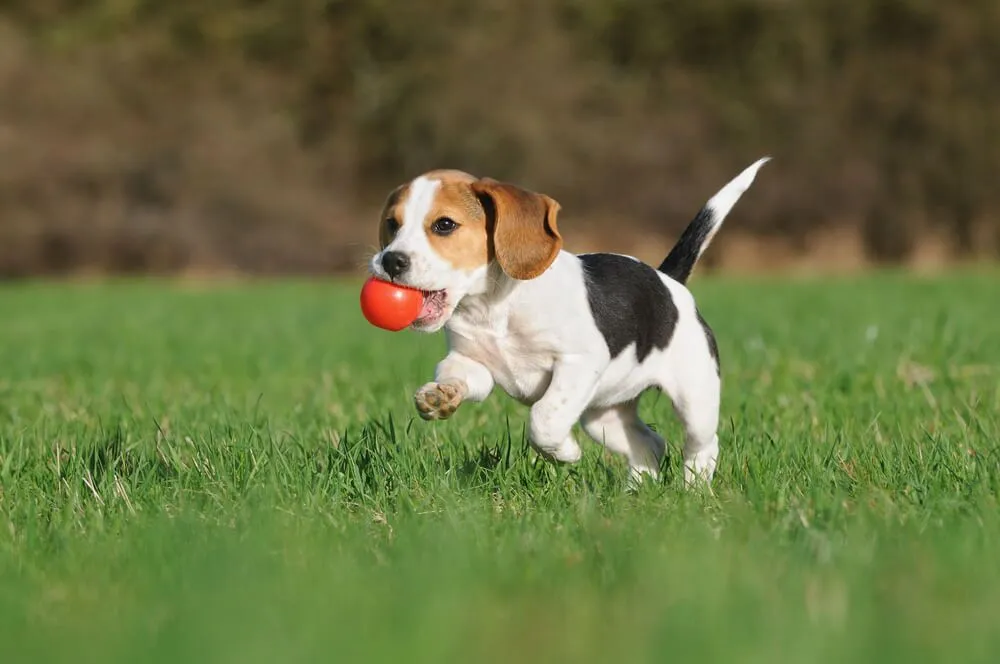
726, 197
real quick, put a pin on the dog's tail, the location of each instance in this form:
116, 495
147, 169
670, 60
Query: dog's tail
699, 233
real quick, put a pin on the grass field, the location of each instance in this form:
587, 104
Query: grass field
234, 473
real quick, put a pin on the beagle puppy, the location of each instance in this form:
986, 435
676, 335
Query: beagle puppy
578, 338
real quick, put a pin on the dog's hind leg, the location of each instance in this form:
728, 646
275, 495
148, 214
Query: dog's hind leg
697, 405
620, 430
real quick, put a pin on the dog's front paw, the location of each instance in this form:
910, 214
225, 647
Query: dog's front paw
439, 401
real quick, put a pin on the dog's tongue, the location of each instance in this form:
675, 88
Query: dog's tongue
433, 305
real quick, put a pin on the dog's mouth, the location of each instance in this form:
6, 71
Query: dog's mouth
434, 309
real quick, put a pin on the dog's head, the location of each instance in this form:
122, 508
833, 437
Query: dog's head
441, 232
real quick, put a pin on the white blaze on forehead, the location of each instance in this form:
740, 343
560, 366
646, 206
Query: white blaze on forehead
427, 270
419, 202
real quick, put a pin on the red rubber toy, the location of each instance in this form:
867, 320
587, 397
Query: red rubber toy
389, 306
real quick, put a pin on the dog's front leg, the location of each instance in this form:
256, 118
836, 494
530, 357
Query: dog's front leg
553, 416
456, 379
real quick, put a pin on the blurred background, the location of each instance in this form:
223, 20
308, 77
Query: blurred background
261, 136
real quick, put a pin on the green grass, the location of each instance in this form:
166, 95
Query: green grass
235, 473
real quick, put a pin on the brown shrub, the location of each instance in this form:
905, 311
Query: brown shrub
258, 135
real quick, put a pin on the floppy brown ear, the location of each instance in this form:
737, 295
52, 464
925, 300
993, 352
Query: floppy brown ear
523, 226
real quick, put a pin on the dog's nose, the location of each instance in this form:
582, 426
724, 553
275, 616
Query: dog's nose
395, 263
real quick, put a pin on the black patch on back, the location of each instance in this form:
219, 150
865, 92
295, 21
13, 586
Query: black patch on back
630, 303
713, 347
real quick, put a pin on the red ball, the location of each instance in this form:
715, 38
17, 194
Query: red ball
389, 306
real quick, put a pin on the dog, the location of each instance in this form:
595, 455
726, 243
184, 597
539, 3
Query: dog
577, 338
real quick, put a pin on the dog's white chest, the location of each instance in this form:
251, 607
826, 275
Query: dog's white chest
520, 363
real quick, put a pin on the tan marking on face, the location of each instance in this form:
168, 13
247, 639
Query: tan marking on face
468, 246
526, 238
392, 213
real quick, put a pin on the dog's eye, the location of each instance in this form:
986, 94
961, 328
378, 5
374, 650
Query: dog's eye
443, 226
391, 225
